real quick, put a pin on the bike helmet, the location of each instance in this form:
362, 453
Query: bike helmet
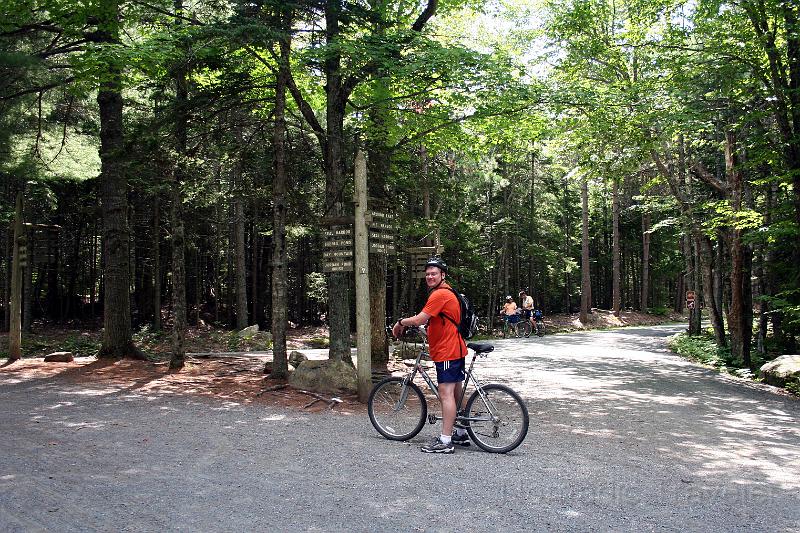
509, 298
438, 263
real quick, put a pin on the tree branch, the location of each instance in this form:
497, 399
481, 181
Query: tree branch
710, 179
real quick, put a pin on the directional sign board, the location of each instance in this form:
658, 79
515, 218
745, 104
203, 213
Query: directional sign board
45, 245
22, 251
420, 256
381, 232
337, 253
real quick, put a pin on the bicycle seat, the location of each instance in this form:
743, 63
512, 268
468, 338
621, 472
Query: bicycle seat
480, 348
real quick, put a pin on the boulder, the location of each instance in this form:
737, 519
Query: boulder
59, 357
249, 331
781, 370
268, 367
325, 376
295, 358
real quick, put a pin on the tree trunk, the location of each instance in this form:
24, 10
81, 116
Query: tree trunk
240, 258
8, 252
379, 167
616, 275
27, 288
586, 285
157, 263
645, 291
15, 308
336, 99
710, 284
532, 234
280, 366
117, 332
740, 345
178, 275
490, 252
254, 272
178, 238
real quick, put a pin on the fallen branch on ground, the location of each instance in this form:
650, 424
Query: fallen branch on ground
332, 402
272, 389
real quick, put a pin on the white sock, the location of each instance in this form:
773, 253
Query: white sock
461, 432
445, 439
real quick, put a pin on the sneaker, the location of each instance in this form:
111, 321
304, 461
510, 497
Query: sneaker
437, 446
461, 440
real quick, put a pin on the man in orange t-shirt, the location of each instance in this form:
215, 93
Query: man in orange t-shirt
442, 313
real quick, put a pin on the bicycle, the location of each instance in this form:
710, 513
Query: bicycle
521, 328
495, 417
539, 320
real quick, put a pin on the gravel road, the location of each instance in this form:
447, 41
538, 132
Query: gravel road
624, 436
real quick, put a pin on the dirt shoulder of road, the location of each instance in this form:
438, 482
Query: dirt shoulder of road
238, 379
604, 319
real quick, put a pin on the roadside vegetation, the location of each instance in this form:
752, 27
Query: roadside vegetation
703, 349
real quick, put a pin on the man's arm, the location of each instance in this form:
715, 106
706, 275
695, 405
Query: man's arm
403, 323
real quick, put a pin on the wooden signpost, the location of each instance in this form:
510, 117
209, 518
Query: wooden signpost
348, 242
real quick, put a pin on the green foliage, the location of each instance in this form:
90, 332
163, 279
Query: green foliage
317, 287
703, 349
318, 342
659, 311
81, 345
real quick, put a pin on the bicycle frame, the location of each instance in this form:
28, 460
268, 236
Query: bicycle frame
469, 376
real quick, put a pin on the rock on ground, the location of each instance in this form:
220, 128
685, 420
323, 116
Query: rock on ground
781, 370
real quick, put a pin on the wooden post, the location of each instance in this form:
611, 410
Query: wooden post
363, 343
19, 250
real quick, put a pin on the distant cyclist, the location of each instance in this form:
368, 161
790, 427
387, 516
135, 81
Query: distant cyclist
509, 312
526, 303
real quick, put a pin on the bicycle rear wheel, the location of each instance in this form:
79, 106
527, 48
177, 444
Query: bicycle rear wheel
499, 423
396, 409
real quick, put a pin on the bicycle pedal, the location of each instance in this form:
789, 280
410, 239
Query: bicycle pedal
431, 419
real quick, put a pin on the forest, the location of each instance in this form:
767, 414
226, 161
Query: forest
166, 164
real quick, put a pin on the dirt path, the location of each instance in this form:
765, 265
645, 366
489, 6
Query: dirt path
624, 436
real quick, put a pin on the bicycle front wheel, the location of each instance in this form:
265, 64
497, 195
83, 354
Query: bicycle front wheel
498, 421
525, 328
397, 409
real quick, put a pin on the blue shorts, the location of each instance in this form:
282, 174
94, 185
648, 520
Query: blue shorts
450, 371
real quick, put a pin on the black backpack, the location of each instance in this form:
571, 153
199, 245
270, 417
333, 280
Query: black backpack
469, 320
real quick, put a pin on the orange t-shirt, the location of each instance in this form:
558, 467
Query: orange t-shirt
444, 341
